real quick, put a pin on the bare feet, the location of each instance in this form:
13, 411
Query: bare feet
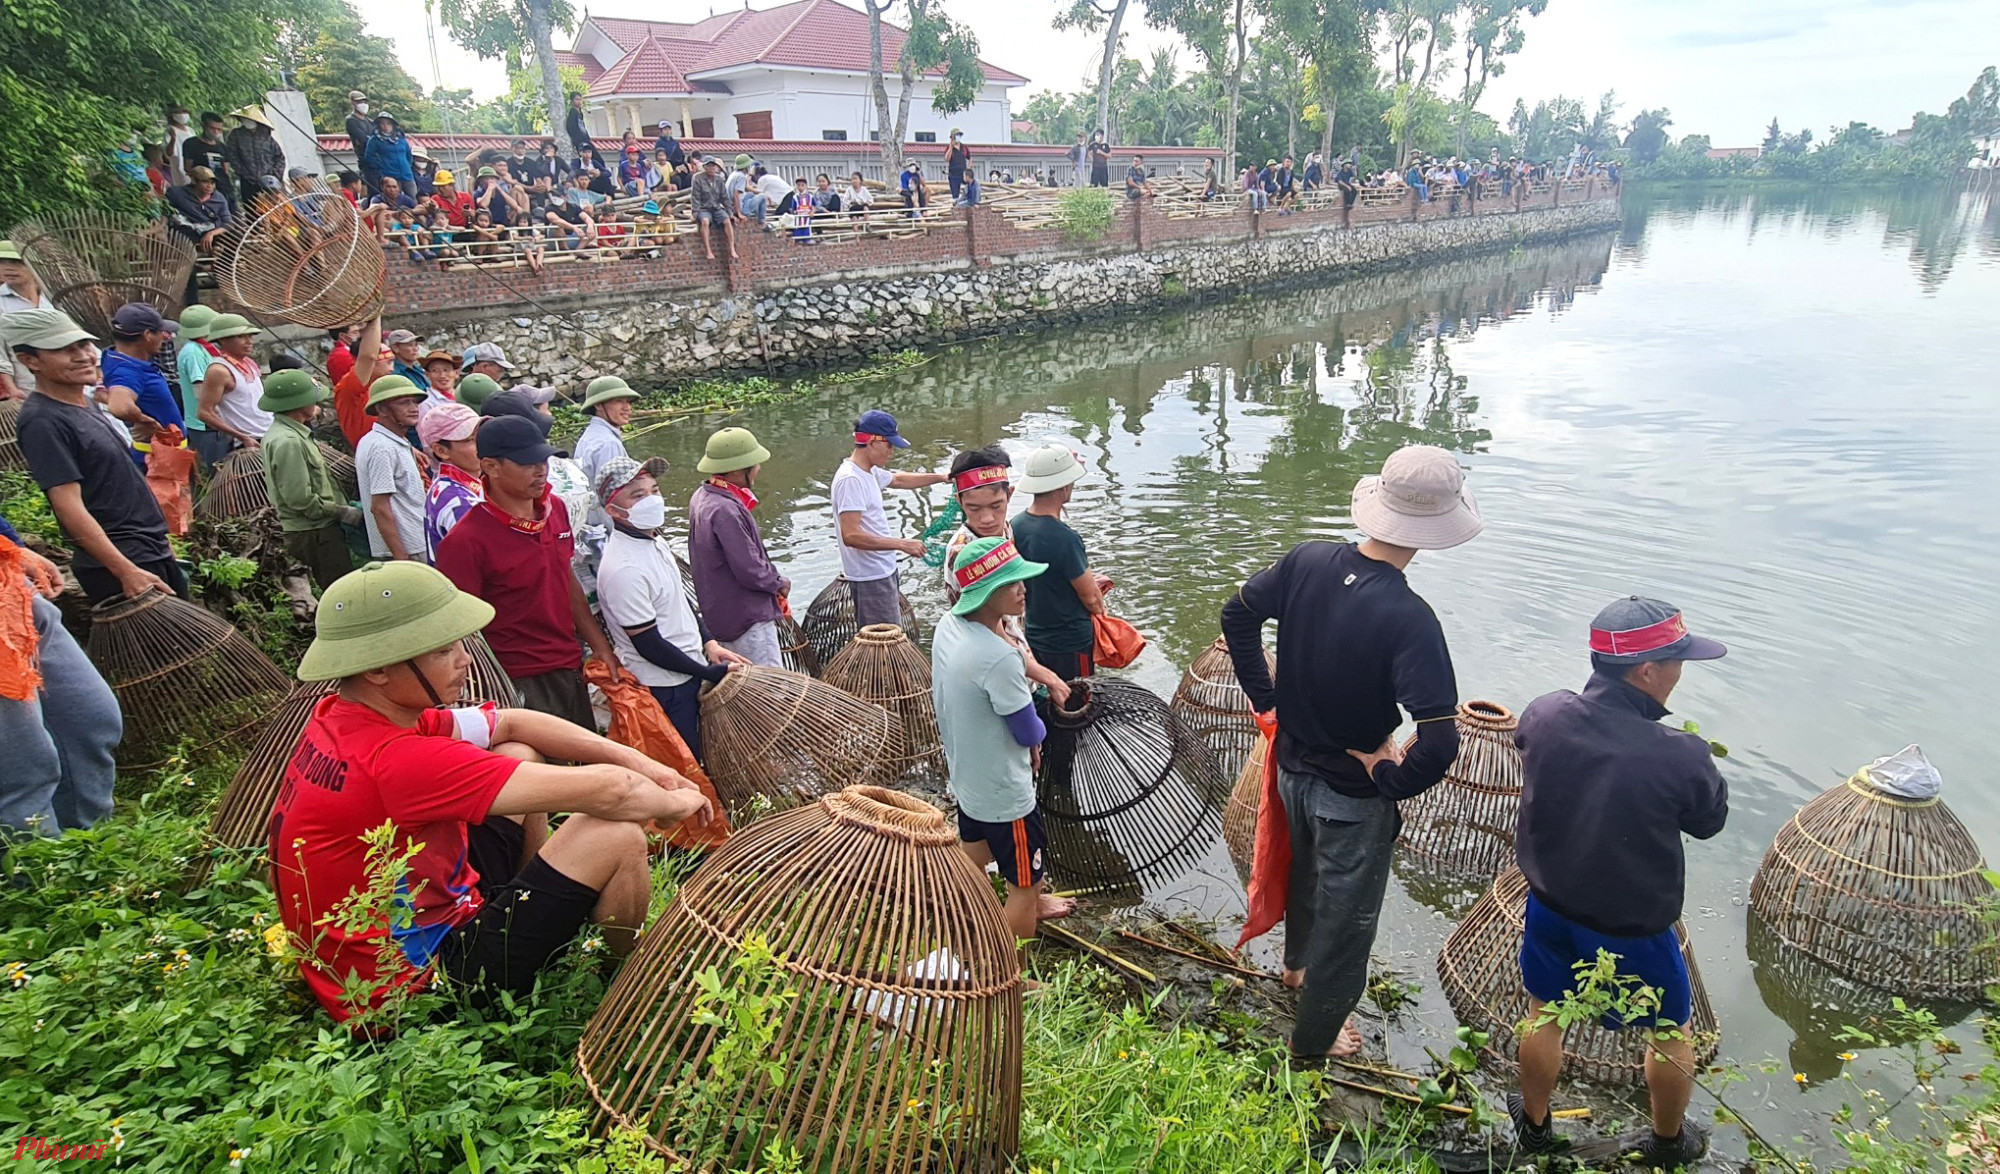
1349, 1043
1295, 979
1049, 908
711, 254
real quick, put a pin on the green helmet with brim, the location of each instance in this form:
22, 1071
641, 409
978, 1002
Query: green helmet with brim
387, 613
984, 566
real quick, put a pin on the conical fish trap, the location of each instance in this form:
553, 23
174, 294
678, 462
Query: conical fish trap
1885, 890
242, 819
1239, 818
790, 739
1212, 704
830, 621
1480, 967
304, 258
1128, 793
10, 435
896, 991
91, 263
881, 666
1465, 824
797, 647
181, 674
241, 485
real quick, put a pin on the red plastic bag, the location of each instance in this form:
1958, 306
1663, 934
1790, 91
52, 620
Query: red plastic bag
1271, 862
20, 672
170, 475
1118, 643
638, 721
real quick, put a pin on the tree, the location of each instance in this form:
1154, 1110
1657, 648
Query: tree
1492, 32
1332, 35
1215, 30
1978, 113
932, 42
339, 56
1856, 137
1092, 15
498, 29
1648, 136
1773, 136
1602, 130
1412, 23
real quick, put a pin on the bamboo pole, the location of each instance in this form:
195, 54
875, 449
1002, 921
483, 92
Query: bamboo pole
1192, 957
1131, 969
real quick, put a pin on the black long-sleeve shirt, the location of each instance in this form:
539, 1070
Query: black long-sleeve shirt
1354, 644
1607, 792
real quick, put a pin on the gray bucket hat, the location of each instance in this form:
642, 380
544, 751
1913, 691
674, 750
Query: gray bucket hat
1419, 501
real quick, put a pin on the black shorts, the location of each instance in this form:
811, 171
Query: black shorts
530, 915
1020, 846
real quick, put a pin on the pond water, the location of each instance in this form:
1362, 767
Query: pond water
1778, 412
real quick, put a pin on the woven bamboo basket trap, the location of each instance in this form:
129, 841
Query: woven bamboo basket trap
91, 263
1239, 817
1210, 702
898, 1045
790, 739
240, 486
306, 259
243, 817
10, 435
830, 621
797, 647
882, 667
1465, 824
1884, 890
1480, 967
180, 673
1128, 792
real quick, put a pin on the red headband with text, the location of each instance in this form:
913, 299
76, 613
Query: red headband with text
1637, 641
978, 478
969, 576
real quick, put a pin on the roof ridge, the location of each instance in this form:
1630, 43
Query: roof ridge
806, 8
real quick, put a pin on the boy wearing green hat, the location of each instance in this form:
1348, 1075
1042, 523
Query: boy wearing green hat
490, 897
608, 403
233, 384
992, 735
385, 466
310, 510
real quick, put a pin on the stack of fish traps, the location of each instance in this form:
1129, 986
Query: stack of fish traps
883, 668
1480, 967
774, 736
830, 622
1464, 826
240, 487
1211, 702
797, 647
897, 992
10, 436
180, 673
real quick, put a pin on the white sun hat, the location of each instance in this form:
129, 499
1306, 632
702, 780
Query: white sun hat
1419, 501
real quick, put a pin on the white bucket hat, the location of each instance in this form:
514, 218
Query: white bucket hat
1049, 468
1419, 501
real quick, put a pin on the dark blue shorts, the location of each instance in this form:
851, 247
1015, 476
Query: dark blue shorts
1552, 946
1020, 846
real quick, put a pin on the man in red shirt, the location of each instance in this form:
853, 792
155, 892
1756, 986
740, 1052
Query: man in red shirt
456, 205
514, 550
485, 894
350, 391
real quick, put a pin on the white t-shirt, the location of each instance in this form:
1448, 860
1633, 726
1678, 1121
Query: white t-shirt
10, 302
239, 410
385, 463
859, 491
638, 584
773, 189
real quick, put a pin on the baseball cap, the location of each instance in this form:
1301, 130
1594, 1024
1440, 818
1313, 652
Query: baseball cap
270, 182
539, 396
201, 175
513, 403
301, 173
447, 422
617, 473
355, 95
44, 330
399, 337
511, 438
136, 318
486, 352
664, 124
876, 422
1635, 629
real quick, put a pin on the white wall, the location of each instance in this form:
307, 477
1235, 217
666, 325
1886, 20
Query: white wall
804, 105
293, 117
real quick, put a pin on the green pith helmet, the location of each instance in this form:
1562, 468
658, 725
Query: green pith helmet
9, 251
228, 326
731, 449
387, 613
475, 389
195, 321
606, 387
391, 387
288, 391
987, 564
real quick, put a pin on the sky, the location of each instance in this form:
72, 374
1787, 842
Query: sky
1724, 68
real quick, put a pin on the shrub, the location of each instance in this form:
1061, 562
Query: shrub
1085, 214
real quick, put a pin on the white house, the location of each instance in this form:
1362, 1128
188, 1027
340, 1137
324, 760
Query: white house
797, 72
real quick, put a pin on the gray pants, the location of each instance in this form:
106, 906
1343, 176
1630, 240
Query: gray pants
58, 744
759, 644
1341, 849
878, 601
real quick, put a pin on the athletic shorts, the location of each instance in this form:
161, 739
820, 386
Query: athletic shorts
715, 217
1552, 946
1019, 846
530, 915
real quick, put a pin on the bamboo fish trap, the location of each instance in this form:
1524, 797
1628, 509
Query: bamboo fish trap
1212, 704
1465, 825
882, 667
1480, 967
1128, 792
830, 622
1239, 818
10, 435
91, 263
180, 673
304, 258
1885, 890
243, 817
897, 1043
241, 486
797, 647
790, 739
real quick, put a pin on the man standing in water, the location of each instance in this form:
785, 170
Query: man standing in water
1061, 603
1354, 643
1606, 793
867, 549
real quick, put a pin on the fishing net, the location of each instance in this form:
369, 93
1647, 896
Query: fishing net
896, 995
91, 263
10, 435
797, 647
305, 258
1480, 967
1239, 818
882, 667
181, 674
785, 738
242, 819
830, 622
1885, 890
936, 535
240, 487
1128, 793
1212, 704
1464, 825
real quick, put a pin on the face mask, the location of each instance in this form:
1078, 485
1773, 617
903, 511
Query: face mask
361, 107
648, 513
180, 120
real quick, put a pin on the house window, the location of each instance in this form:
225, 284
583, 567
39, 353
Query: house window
704, 128
833, 136
874, 136
754, 124
926, 136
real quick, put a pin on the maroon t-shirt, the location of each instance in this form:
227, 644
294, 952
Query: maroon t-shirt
523, 570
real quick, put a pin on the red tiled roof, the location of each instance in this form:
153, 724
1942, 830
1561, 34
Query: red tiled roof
644, 70
337, 144
584, 61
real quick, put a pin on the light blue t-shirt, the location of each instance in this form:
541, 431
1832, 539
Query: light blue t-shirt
192, 364
977, 679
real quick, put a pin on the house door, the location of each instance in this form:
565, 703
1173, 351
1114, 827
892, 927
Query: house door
754, 125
